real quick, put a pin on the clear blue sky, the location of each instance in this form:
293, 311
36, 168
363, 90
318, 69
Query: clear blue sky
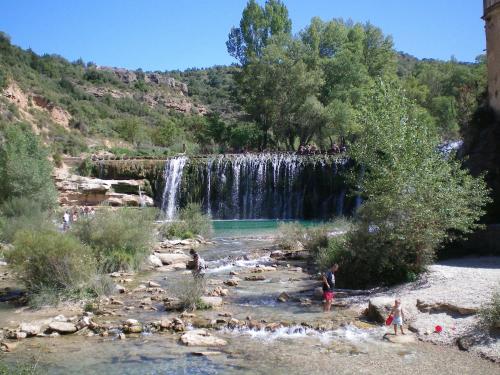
167, 34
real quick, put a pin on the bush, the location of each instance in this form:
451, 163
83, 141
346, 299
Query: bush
22, 214
490, 313
189, 291
121, 239
192, 222
49, 262
25, 170
333, 252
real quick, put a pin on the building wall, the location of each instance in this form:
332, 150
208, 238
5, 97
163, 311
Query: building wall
492, 25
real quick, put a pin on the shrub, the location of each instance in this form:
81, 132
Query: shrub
24, 168
490, 313
192, 222
189, 291
291, 236
22, 214
333, 252
120, 239
49, 262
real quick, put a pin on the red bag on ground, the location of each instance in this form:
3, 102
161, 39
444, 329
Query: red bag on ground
389, 320
438, 329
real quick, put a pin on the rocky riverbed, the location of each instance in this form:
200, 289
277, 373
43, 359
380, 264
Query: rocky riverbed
265, 309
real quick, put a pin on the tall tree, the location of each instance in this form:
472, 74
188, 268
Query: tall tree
258, 24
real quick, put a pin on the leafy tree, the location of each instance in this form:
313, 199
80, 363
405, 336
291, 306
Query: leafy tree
415, 197
258, 24
25, 170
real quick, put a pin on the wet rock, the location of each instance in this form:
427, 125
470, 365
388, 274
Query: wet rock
233, 273
8, 346
277, 254
225, 314
206, 354
62, 328
172, 304
305, 302
232, 282
215, 282
153, 284
219, 292
30, 329
155, 261
132, 326
121, 336
115, 301
283, 297
84, 322
255, 278
200, 337
213, 302
261, 268
400, 339
379, 308
120, 289
170, 258
465, 342
15, 335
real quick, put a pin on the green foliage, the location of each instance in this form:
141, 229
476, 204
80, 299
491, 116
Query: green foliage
415, 198
258, 24
334, 252
19, 368
48, 260
490, 312
22, 213
120, 239
189, 291
24, 168
191, 222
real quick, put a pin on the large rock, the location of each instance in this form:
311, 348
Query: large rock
167, 258
155, 261
460, 308
212, 302
379, 308
200, 337
30, 329
62, 327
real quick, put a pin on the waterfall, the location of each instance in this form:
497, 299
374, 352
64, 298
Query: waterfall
173, 177
258, 186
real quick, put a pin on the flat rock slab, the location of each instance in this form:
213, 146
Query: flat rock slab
200, 337
62, 327
171, 258
206, 354
400, 339
213, 302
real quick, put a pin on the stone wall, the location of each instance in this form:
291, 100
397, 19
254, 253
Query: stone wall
492, 26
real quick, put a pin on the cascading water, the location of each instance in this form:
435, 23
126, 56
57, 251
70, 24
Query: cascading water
258, 186
173, 177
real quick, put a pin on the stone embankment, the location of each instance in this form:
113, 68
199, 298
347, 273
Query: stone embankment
77, 190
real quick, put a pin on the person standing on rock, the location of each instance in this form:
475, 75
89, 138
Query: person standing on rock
397, 316
199, 265
328, 285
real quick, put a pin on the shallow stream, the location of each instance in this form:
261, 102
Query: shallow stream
350, 347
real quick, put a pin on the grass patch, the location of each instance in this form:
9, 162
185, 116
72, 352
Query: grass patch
192, 222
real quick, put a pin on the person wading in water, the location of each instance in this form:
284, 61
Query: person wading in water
328, 285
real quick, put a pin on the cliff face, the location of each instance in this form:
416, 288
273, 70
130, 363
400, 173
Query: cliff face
492, 28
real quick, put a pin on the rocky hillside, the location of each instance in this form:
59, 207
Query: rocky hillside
78, 107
